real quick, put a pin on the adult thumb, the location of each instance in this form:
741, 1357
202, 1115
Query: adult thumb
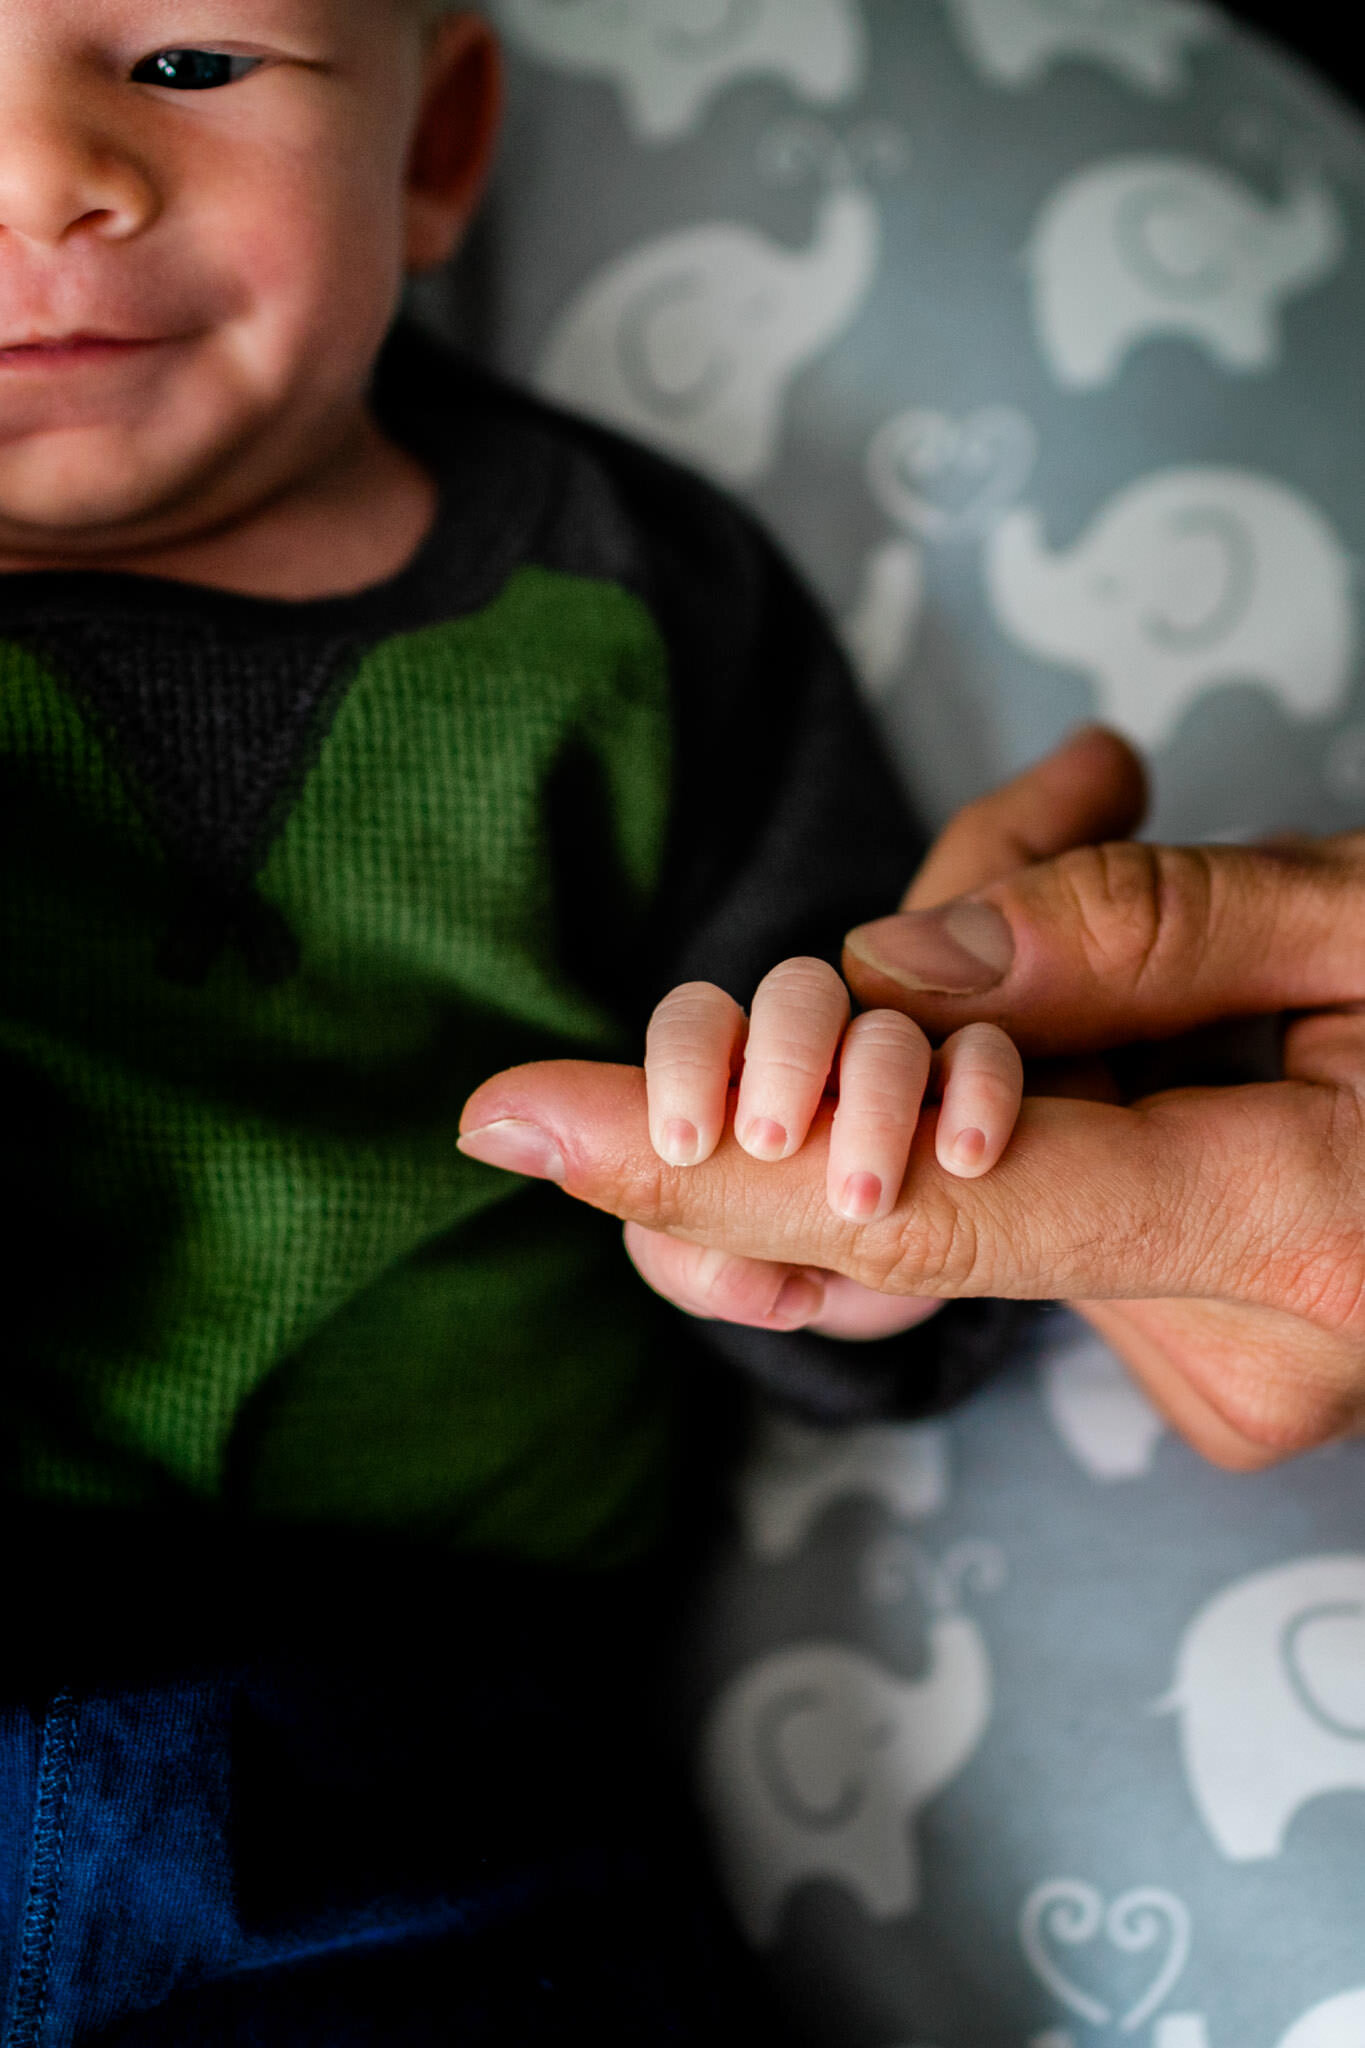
1108, 944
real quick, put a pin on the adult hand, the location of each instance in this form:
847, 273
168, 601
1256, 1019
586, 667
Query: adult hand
1215, 1235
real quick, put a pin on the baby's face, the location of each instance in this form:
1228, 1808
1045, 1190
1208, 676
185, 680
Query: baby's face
205, 216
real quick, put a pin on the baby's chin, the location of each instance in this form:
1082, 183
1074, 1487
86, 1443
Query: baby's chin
92, 494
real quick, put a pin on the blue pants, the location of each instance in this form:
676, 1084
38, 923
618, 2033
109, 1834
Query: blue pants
349, 1799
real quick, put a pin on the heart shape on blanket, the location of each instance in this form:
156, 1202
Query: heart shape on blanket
950, 479
1067, 1913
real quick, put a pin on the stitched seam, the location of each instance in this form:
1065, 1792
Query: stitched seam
45, 1876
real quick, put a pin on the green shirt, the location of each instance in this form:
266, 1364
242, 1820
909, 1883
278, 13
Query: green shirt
281, 883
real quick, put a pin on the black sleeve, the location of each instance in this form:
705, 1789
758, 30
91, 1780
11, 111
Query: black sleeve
788, 828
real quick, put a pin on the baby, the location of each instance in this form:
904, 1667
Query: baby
365, 726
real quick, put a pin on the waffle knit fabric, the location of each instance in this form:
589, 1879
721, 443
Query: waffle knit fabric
281, 882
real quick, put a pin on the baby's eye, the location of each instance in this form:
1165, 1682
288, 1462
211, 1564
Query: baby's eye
193, 70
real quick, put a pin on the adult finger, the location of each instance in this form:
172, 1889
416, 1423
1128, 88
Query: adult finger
1093, 787
1108, 944
1330, 1048
1090, 1200
1247, 1387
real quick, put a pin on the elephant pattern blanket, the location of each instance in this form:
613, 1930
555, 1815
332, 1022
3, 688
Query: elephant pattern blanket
1033, 328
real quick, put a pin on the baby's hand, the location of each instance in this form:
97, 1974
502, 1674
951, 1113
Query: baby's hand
798, 1046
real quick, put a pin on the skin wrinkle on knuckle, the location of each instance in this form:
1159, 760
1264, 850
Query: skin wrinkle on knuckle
676, 1026
937, 1250
680, 1066
1323, 1280
1330, 1290
1140, 912
1309, 1203
886, 1116
644, 1199
807, 980
691, 997
790, 1062
1132, 1217
990, 1090
882, 1034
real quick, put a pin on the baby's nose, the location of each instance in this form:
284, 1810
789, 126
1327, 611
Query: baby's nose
59, 176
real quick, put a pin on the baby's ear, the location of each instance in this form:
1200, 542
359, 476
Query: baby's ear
452, 146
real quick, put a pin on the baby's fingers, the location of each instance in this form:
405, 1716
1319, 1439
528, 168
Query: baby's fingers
798, 1016
691, 1049
882, 1074
724, 1288
983, 1086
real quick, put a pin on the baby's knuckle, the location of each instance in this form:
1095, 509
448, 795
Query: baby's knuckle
789, 1058
879, 1116
991, 1092
682, 1065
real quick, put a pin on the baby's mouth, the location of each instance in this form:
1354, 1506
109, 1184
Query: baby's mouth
63, 350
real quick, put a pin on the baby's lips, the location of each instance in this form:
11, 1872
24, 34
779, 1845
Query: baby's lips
516, 1147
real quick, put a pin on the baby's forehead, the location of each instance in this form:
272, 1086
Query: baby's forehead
213, 20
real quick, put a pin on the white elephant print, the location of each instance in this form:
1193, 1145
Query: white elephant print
1337, 2023
692, 340
670, 57
1172, 2030
940, 479
796, 1472
816, 1762
882, 625
1187, 579
1097, 1409
1155, 245
1016, 42
1270, 1689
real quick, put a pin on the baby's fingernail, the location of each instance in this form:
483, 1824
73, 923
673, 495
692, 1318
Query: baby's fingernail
800, 1301
516, 1147
679, 1143
860, 1197
961, 950
968, 1148
764, 1139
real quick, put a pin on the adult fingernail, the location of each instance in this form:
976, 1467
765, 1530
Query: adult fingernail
515, 1147
800, 1301
960, 950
